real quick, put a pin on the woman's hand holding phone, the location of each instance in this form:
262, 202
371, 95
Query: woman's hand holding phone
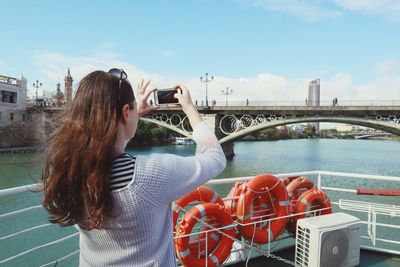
183, 96
142, 96
175, 96
185, 101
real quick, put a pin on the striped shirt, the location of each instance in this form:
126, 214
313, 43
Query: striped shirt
122, 171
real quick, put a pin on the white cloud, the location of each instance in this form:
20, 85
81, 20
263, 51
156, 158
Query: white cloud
308, 10
386, 67
339, 85
314, 10
389, 8
266, 87
53, 67
382, 89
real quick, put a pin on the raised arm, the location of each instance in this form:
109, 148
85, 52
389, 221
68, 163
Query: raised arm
166, 177
187, 105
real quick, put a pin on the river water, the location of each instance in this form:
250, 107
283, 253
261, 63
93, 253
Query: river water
252, 158
361, 156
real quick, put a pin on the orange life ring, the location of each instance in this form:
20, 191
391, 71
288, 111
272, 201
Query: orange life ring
231, 204
298, 186
261, 205
217, 256
312, 199
295, 188
200, 194
260, 202
270, 191
287, 180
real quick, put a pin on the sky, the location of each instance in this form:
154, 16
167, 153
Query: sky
262, 50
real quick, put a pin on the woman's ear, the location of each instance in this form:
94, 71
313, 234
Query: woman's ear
125, 113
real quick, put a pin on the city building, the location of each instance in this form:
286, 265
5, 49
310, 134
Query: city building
68, 87
22, 122
58, 97
13, 95
298, 128
313, 100
341, 127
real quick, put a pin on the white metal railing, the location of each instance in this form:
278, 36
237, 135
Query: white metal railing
241, 247
13, 214
373, 209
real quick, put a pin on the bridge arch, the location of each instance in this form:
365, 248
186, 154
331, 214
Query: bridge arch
169, 126
390, 127
245, 126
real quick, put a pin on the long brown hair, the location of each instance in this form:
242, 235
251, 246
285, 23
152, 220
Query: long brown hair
80, 154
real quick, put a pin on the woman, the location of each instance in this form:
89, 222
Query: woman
121, 203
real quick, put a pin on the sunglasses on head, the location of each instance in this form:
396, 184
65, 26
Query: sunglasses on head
122, 76
120, 73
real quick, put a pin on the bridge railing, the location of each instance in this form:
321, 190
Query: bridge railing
345, 102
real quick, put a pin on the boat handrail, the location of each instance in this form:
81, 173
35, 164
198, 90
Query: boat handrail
387, 209
222, 181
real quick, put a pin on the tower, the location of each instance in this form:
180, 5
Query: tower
68, 87
313, 99
58, 96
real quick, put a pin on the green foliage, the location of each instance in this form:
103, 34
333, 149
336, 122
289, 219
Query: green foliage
272, 134
149, 134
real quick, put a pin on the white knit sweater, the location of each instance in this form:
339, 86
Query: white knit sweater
141, 233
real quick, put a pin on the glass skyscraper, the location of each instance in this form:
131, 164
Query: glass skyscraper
313, 99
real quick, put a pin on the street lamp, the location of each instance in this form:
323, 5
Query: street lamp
206, 80
37, 85
227, 93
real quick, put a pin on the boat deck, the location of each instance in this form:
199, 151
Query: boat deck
367, 258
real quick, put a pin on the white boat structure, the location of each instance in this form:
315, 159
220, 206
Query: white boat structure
183, 141
366, 223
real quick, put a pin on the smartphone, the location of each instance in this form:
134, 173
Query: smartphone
165, 96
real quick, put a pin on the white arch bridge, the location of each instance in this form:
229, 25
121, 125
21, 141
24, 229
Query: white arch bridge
231, 123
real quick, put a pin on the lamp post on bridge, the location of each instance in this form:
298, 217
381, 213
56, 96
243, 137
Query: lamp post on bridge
206, 80
227, 93
37, 85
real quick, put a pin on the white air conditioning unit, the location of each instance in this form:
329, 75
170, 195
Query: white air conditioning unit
331, 240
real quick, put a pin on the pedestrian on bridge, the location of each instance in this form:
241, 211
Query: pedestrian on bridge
335, 102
